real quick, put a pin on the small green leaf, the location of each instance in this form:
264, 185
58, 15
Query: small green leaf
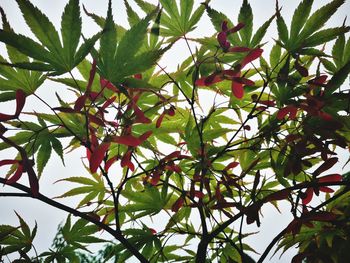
138, 64
324, 36
6, 230
196, 16
166, 138
338, 79
319, 18
275, 55
81, 232
146, 7
71, 83
6, 96
155, 31
260, 33
176, 23
85, 48
41, 26
108, 46
131, 42
43, 156
24, 227
88, 198
329, 65
212, 134
299, 18
313, 52
147, 202
57, 147
91, 188
71, 30
133, 17
26, 46
80, 180
20, 138
282, 29
338, 50
246, 17
186, 7
13, 53
346, 56
77, 191
171, 8
36, 66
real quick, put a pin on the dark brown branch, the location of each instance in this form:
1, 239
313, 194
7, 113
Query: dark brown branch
221, 228
77, 213
14, 195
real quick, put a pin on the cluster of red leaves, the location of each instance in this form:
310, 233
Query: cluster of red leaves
312, 105
225, 31
96, 152
237, 81
20, 101
252, 212
169, 112
167, 164
24, 165
181, 200
127, 139
228, 180
331, 178
306, 219
92, 96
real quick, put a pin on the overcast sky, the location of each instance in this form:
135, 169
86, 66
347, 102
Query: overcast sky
48, 218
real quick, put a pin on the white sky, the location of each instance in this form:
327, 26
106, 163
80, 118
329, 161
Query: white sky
48, 218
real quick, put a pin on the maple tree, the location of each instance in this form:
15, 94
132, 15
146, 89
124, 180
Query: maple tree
271, 135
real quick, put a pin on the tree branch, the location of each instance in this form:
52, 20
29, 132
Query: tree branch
77, 213
280, 235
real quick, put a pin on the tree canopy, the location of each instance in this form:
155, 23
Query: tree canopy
165, 178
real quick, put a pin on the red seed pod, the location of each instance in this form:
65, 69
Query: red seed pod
178, 204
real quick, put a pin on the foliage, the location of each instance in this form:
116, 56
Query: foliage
271, 135
324, 241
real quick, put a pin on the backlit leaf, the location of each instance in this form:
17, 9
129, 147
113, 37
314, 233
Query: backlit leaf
108, 46
246, 17
71, 30
319, 18
26, 46
282, 29
132, 41
41, 26
260, 33
324, 36
300, 16
337, 79
97, 156
128, 140
133, 17
43, 156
